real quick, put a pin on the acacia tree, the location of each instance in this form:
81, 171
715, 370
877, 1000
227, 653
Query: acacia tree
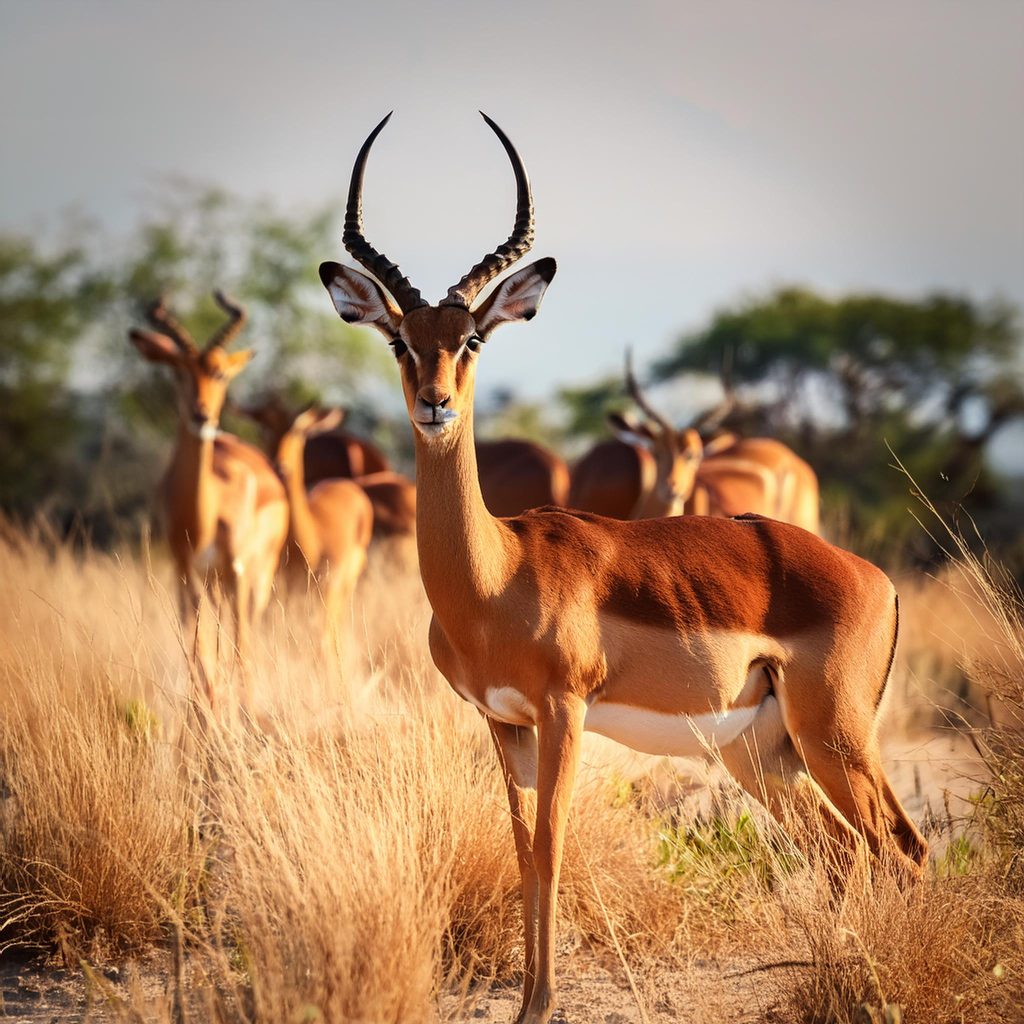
847, 378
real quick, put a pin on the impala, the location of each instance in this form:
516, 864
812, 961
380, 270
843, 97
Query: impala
790, 485
664, 634
654, 469
514, 474
336, 454
650, 471
518, 475
225, 511
328, 455
330, 526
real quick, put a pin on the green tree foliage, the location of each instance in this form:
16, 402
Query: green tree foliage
200, 239
506, 414
48, 299
845, 379
85, 424
587, 406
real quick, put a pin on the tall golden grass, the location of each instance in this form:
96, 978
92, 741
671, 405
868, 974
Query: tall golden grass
351, 858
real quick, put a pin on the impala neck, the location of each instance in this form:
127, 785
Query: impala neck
464, 551
193, 486
303, 535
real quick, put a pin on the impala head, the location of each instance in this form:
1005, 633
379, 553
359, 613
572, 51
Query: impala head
437, 346
203, 375
306, 424
677, 453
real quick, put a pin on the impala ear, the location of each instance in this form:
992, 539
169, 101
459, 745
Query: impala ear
314, 420
516, 298
628, 431
359, 300
327, 419
238, 361
719, 444
689, 443
157, 348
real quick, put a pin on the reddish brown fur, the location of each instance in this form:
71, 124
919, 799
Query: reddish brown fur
393, 497
610, 478
795, 499
518, 475
731, 487
328, 456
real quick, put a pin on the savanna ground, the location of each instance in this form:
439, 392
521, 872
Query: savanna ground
349, 858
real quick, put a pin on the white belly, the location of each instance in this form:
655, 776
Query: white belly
655, 732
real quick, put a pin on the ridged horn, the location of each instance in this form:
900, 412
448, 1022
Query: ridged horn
407, 297
163, 320
638, 396
237, 317
514, 248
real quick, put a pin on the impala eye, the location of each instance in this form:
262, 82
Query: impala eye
399, 347
473, 344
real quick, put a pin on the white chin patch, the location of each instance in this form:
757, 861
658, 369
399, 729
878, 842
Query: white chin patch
207, 431
437, 429
440, 423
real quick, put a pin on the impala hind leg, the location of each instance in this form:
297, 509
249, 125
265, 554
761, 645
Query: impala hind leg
832, 719
764, 761
847, 765
517, 752
559, 735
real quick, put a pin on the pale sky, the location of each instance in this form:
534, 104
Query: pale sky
682, 154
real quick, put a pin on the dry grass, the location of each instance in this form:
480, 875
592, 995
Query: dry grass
352, 859
97, 821
354, 855
952, 948
948, 950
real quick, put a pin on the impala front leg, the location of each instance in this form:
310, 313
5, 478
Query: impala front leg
560, 732
517, 751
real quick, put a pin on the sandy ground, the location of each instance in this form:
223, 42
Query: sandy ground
593, 990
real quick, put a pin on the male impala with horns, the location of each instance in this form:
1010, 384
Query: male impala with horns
666, 634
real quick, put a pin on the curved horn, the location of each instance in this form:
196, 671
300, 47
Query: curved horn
375, 262
514, 248
161, 318
638, 396
223, 337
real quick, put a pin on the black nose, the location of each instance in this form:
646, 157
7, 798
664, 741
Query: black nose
439, 405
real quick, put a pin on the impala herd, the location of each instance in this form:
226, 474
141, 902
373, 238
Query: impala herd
670, 591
